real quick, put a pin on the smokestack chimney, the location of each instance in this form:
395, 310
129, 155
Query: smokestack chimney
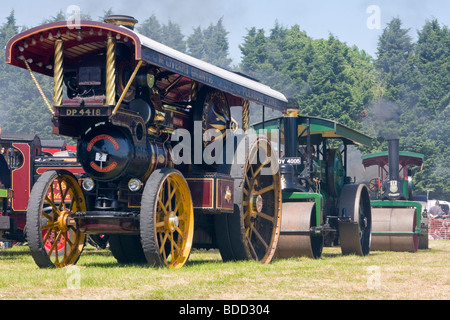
393, 188
288, 172
122, 20
393, 158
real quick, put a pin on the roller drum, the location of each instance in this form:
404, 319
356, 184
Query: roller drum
355, 220
393, 229
295, 236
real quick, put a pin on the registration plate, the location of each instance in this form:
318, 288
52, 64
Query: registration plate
290, 160
84, 112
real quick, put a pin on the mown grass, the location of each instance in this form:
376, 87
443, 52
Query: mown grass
381, 275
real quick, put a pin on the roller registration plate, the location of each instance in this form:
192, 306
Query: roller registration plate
290, 160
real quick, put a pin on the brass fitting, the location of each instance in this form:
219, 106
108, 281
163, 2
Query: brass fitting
58, 73
292, 113
111, 71
245, 114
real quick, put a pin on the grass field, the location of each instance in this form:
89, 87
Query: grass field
381, 275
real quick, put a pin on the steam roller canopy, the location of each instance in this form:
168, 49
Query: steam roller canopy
105, 152
295, 236
393, 229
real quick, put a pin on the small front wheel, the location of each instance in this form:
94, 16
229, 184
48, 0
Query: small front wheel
167, 219
52, 233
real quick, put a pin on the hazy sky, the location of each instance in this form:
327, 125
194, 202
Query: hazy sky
356, 22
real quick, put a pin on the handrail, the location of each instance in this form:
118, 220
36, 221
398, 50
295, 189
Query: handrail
39, 87
127, 87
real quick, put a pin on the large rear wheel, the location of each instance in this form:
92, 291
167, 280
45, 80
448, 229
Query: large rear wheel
166, 219
52, 233
252, 231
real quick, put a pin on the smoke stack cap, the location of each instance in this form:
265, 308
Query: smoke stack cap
122, 20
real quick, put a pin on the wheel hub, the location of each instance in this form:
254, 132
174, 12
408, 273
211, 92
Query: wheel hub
65, 221
258, 203
172, 221
256, 200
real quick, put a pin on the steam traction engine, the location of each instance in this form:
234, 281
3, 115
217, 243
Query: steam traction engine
23, 159
131, 103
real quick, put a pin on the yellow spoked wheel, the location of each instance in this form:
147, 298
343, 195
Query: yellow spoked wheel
166, 219
52, 233
261, 199
252, 231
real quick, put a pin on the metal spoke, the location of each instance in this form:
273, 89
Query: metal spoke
260, 238
55, 244
162, 241
266, 189
52, 204
252, 249
262, 166
266, 216
49, 225
172, 247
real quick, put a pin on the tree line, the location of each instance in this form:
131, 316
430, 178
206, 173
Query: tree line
404, 91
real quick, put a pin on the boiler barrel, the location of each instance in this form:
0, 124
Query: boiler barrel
108, 153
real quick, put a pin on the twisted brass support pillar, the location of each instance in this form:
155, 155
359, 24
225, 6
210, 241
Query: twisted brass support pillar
245, 114
111, 71
194, 90
58, 73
